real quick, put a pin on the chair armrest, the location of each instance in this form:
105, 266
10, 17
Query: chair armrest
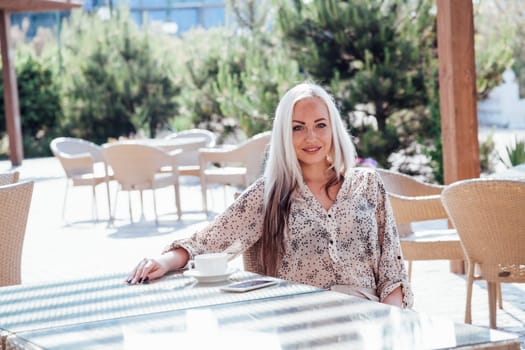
77, 164
426, 189
219, 155
174, 153
169, 163
402, 184
420, 208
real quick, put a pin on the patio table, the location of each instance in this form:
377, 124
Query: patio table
168, 145
30, 307
316, 320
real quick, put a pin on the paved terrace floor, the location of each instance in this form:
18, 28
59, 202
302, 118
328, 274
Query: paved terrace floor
54, 250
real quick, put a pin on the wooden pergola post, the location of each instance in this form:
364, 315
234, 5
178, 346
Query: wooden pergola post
12, 109
457, 93
457, 89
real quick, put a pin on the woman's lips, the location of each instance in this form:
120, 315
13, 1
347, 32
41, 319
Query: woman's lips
311, 149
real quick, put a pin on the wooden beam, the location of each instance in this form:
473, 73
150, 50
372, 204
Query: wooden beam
12, 109
457, 89
37, 5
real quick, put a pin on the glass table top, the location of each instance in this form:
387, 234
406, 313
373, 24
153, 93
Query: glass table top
318, 320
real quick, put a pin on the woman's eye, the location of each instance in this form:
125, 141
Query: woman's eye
297, 128
321, 125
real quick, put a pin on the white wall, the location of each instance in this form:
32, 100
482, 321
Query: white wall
503, 108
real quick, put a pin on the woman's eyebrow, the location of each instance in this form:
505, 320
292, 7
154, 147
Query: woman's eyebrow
315, 121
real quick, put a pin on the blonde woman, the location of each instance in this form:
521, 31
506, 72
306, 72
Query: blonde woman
321, 221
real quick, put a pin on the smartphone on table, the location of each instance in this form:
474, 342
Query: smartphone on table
246, 286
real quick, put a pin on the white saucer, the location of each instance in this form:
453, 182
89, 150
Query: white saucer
209, 278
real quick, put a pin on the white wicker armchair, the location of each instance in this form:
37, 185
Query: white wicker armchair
488, 215
414, 201
84, 165
239, 165
15, 201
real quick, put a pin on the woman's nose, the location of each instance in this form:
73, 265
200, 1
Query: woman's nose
310, 134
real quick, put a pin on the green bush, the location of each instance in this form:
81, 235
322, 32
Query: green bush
252, 92
117, 78
230, 81
198, 56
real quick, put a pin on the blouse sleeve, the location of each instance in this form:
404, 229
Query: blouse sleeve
235, 230
392, 271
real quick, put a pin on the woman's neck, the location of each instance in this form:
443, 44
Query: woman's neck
317, 174
317, 178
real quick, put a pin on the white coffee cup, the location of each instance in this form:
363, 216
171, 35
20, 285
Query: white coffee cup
210, 264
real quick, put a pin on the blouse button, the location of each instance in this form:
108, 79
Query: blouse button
329, 215
331, 241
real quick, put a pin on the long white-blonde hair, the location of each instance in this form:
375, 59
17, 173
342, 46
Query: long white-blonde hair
283, 174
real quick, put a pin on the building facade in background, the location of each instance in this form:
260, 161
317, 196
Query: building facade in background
176, 16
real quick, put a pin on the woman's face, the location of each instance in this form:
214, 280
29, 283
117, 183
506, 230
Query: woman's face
311, 131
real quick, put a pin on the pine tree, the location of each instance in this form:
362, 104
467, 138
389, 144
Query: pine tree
117, 81
359, 51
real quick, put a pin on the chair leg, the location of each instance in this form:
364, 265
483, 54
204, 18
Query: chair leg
177, 200
94, 209
113, 214
492, 289
142, 217
500, 296
225, 191
109, 201
470, 281
204, 194
65, 201
129, 206
154, 206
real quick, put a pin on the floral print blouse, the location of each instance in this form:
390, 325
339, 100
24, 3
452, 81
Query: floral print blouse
353, 247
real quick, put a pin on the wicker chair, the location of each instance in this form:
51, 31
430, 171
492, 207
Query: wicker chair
9, 177
84, 165
249, 259
15, 200
137, 167
240, 165
414, 201
188, 160
488, 215
249, 256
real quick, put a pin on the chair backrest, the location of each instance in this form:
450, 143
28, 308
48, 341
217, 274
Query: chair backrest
209, 137
412, 200
15, 201
190, 152
252, 153
135, 165
9, 177
69, 152
489, 217
406, 185
249, 258
70, 146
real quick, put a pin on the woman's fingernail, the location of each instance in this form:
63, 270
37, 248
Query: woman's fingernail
140, 280
146, 280
128, 281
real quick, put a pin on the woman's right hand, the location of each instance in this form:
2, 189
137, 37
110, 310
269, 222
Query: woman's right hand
146, 270
152, 268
